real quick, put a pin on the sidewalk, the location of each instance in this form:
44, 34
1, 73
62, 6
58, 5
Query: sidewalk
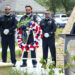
35, 71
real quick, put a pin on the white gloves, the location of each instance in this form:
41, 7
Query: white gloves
46, 35
6, 31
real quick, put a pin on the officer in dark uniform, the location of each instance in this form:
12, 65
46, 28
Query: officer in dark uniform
73, 29
7, 30
30, 39
48, 28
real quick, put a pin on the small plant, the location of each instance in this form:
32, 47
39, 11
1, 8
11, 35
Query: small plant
51, 72
24, 22
17, 72
13, 72
26, 73
67, 65
73, 58
62, 69
19, 53
50, 66
43, 62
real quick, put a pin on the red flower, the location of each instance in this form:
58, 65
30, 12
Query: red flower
41, 35
22, 48
34, 45
20, 31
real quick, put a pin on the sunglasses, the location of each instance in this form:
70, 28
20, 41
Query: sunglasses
7, 9
28, 9
47, 13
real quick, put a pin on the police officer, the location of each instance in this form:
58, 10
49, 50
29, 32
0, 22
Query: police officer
48, 28
30, 39
73, 29
7, 30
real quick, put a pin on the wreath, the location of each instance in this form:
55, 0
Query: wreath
24, 26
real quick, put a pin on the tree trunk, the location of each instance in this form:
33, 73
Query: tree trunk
64, 4
53, 7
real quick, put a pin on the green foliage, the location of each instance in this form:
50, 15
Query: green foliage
13, 72
43, 3
26, 73
68, 4
72, 65
18, 53
50, 66
42, 74
23, 22
43, 62
60, 71
71, 62
17, 72
73, 58
54, 5
67, 65
51, 72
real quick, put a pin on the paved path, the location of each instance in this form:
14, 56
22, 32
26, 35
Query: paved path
35, 71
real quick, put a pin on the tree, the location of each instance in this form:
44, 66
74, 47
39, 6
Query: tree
53, 5
68, 4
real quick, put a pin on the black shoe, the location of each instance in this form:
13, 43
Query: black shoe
34, 66
14, 65
23, 65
